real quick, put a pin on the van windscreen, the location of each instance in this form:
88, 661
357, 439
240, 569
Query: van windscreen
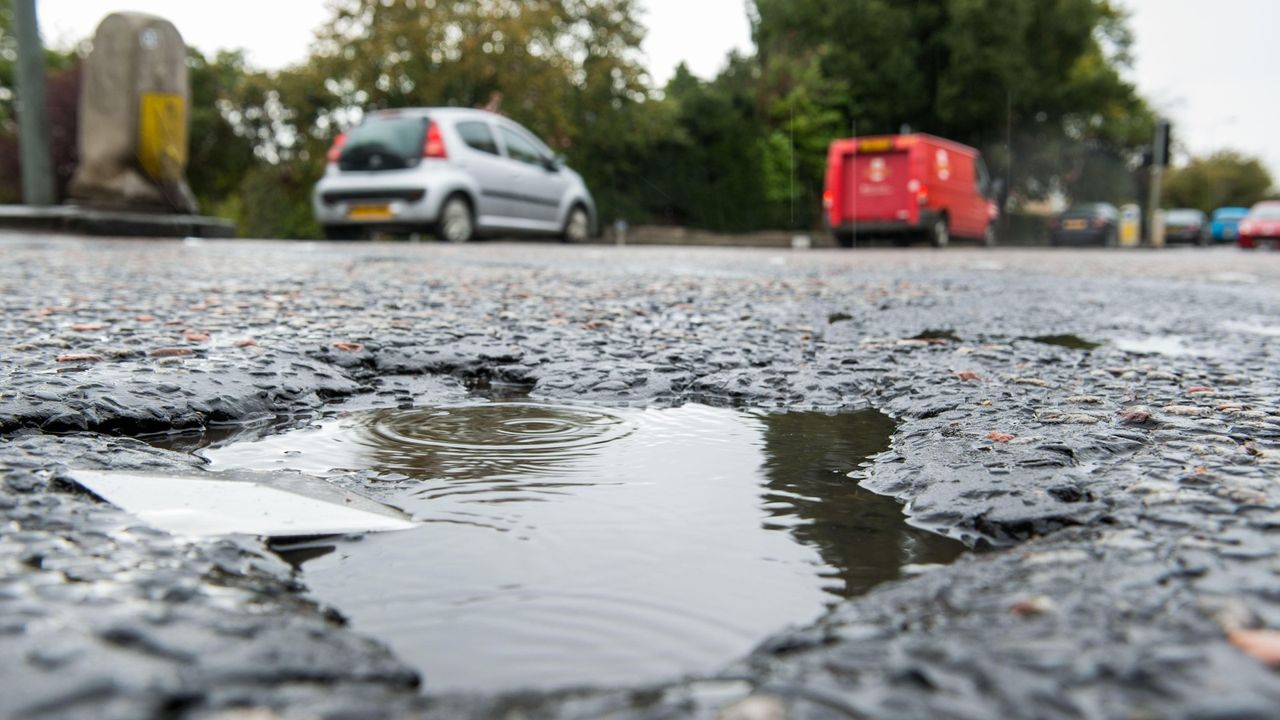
384, 143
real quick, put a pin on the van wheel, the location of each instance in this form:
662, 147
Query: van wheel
844, 239
455, 224
940, 233
989, 237
577, 226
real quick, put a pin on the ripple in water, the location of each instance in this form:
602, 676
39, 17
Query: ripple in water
569, 546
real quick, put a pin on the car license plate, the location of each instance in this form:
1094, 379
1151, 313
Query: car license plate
369, 212
1075, 224
875, 145
1228, 234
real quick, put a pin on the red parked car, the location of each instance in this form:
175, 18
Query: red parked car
1261, 225
908, 186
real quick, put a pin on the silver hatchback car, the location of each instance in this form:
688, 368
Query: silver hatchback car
453, 172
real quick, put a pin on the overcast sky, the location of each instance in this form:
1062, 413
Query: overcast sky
1213, 67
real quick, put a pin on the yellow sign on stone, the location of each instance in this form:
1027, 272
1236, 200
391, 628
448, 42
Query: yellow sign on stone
162, 136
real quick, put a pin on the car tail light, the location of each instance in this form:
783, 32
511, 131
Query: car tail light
922, 195
433, 146
335, 150
1098, 223
828, 200
1246, 228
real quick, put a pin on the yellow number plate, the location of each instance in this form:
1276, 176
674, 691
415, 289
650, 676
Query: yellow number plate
1075, 224
875, 145
369, 212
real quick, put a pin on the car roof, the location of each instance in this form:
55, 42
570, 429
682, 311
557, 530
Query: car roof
453, 113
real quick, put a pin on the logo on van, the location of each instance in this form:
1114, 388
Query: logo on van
942, 165
878, 170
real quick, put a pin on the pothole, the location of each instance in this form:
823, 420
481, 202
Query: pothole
1071, 342
563, 545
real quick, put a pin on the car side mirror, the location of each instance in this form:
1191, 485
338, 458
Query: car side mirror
553, 164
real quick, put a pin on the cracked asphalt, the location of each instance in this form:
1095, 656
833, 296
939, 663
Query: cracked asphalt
1123, 498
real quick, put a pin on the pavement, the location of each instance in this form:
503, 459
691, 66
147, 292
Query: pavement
1121, 499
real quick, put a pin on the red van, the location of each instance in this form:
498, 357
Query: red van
908, 186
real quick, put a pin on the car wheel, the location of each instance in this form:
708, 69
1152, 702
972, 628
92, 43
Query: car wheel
342, 232
940, 233
989, 237
844, 239
577, 227
1111, 239
455, 224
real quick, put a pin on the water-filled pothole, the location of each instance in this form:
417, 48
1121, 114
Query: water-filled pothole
570, 546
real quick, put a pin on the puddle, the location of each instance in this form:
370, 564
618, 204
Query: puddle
1252, 328
938, 335
568, 546
1073, 342
1163, 345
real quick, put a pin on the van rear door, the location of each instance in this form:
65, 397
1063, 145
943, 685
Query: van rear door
876, 180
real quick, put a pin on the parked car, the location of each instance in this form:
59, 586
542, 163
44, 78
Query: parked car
1186, 225
453, 172
1086, 224
1224, 224
908, 186
1261, 225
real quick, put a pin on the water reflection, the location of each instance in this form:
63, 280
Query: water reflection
861, 535
498, 452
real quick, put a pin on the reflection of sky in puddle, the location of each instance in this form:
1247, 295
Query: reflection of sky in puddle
1173, 345
572, 545
1252, 328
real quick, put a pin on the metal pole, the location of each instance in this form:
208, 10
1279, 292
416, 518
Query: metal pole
1158, 161
1008, 170
33, 125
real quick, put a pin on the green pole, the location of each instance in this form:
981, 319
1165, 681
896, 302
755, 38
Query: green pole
33, 125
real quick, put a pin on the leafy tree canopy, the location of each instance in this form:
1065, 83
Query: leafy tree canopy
1220, 180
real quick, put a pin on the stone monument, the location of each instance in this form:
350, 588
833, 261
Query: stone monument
133, 118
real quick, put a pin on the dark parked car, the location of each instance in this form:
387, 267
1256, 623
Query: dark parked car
1087, 224
1186, 225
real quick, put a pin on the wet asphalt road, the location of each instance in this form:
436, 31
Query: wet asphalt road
1126, 495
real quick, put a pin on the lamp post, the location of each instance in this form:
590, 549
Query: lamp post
33, 126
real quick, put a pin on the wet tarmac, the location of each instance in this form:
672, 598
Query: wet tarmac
1124, 495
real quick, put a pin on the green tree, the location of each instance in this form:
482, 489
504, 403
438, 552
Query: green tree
219, 158
568, 69
1223, 179
1049, 74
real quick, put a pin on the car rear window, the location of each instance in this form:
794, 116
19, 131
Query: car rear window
1186, 217
384, 143
1093, 209
477, 135
1266, 212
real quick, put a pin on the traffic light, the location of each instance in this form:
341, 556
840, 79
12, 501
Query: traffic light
1164, 143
